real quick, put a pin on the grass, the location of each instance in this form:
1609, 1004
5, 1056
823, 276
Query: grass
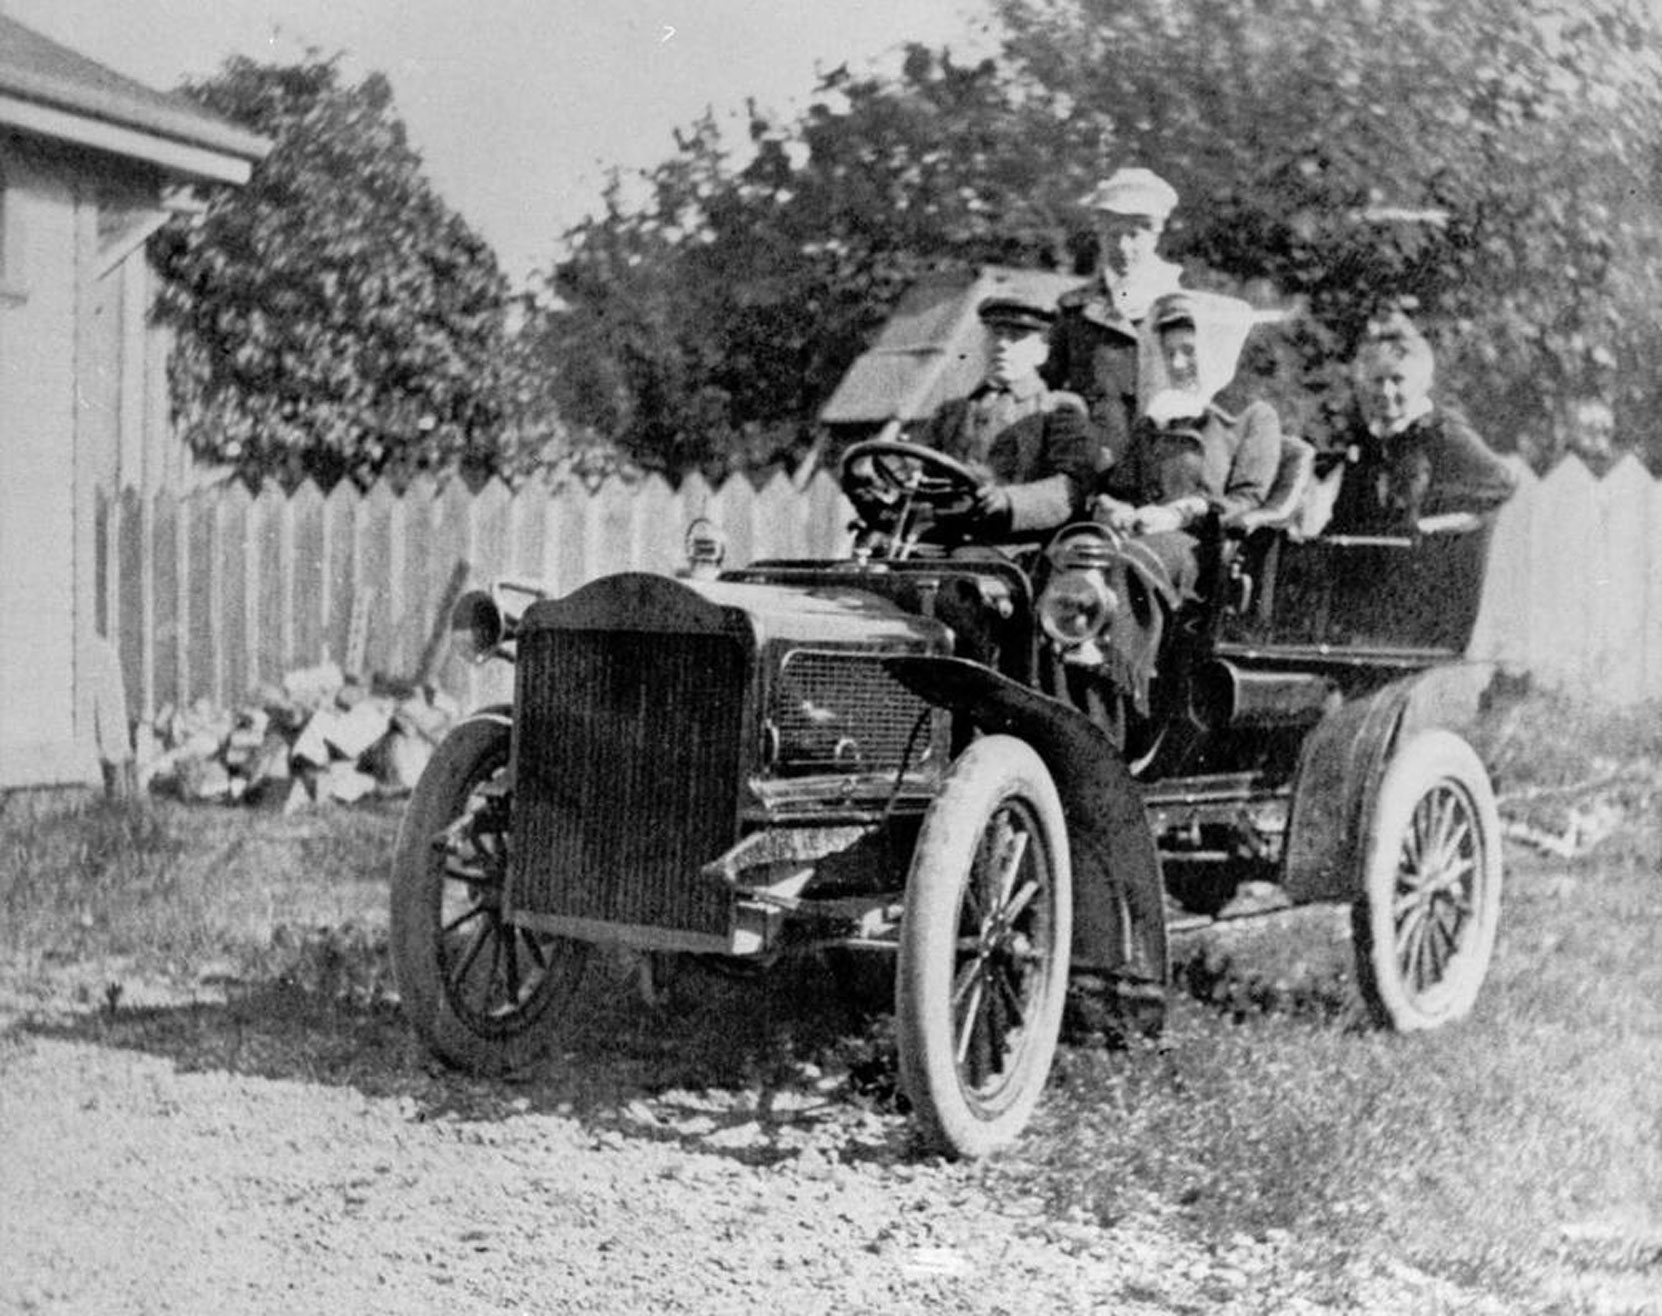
1489, 1152
178, 889
1519, 1152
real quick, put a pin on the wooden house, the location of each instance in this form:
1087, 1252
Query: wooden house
91, 163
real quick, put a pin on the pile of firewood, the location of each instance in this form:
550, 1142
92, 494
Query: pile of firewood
321, 736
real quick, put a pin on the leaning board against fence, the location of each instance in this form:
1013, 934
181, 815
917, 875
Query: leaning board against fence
215, 592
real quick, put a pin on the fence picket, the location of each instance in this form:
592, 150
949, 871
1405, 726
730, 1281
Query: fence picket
664, 524
271, 588
374, 568
308, 577
491, 560
165, 639
340, 570
613, 531
780, 523
232, 603
527, 533
135, 611
569, 535
201, 598
1621, 573
454, 530
410, 577
738, 520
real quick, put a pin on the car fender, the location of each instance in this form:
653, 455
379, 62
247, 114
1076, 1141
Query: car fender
1108, 832
1342, 762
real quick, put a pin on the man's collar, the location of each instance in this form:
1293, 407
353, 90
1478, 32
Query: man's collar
1022, 389
1028, 386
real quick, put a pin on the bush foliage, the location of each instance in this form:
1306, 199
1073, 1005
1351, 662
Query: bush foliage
335, 317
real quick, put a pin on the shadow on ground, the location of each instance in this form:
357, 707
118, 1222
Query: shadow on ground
683, 1053
668, 1048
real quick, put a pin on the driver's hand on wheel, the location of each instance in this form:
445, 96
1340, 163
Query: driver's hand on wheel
992, 503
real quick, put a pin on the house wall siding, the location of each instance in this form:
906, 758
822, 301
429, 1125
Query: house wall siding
38, 522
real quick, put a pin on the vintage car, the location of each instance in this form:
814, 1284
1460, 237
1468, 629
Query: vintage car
920, 751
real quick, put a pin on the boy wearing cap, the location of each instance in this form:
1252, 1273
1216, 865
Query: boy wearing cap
1032, 441
1094, 345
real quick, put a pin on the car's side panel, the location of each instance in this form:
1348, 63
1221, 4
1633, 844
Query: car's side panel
1119, 915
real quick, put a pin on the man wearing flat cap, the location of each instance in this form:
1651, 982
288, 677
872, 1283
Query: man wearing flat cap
1031, 441
1093, 348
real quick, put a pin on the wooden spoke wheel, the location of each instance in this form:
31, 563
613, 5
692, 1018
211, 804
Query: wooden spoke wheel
1424, 925
480, 989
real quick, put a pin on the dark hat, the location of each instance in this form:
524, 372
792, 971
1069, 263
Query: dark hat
1017, 312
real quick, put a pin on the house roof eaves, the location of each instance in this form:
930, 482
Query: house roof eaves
181, 158
39, 73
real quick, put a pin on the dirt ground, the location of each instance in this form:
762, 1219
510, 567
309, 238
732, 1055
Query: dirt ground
203, 1147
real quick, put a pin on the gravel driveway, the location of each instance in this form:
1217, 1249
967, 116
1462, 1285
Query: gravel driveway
181, 1150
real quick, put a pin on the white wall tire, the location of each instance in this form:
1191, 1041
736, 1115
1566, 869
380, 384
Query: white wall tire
984, 941
1424, 924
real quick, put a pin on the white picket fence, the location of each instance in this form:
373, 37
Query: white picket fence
212, 593
1574, 591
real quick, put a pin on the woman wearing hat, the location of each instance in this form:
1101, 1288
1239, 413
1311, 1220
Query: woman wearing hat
1187, 460
1187, 457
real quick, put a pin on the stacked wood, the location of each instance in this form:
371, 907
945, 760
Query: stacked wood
319, 736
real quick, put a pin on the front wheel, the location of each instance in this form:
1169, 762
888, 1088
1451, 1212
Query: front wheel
478, 988
1424, 925
984, 938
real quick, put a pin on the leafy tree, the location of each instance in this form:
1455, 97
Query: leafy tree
1300, 133
1292, 126
335, 318
705, 326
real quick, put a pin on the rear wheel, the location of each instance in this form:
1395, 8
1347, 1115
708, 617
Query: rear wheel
480, 990
1424, 925
984, 938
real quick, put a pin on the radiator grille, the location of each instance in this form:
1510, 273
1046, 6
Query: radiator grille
627, 774
841, 712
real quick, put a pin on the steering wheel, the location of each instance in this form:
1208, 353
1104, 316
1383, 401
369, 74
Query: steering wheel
880, 476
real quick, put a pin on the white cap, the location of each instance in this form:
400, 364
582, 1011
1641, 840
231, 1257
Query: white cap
1133, 191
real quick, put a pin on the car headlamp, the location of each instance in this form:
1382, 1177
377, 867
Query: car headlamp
1075, 607
477, 626
706, 548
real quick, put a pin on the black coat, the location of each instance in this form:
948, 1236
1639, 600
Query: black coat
1094, 353
1043, 458
1436, 465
